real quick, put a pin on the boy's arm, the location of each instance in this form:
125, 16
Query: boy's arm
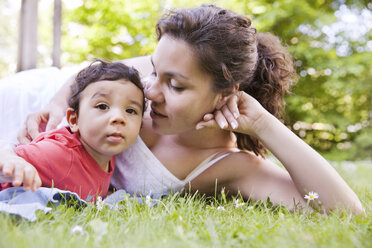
17, 169
51, 159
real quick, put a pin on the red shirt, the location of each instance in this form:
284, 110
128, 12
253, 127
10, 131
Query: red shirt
63, 163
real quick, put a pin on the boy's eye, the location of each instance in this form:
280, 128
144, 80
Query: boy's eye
131, 111
102, 106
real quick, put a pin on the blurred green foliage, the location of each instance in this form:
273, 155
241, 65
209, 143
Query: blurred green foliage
330, 107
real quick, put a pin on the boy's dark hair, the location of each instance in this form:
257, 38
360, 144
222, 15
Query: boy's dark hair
100, 70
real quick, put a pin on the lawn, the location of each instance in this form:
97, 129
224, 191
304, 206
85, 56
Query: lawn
197, 221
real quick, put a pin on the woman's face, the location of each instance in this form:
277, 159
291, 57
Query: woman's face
180, 93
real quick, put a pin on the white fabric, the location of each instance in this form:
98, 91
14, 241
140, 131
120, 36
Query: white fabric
23, 93
139, 172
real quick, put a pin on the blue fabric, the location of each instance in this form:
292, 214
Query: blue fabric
17, 201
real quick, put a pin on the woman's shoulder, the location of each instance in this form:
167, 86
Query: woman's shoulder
237, 156
236, 167
240, 163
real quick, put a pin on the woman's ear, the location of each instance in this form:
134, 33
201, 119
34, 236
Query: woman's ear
236, 88
225, 95
222, 101
72, 119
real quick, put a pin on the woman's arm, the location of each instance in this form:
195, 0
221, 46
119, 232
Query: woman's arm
142, 64
47, 118
307, 170
51, 115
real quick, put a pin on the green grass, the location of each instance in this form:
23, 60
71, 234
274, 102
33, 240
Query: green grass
196, 221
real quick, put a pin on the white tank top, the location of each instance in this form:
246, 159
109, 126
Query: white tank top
139, 172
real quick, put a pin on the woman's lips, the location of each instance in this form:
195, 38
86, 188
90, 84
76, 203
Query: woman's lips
156, 115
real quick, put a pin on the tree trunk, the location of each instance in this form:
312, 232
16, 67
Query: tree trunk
27, 44
57, 23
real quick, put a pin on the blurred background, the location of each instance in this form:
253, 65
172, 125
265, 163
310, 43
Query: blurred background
330, 107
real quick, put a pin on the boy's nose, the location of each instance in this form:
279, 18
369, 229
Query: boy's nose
117, 117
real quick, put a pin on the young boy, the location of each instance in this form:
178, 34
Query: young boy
104, 116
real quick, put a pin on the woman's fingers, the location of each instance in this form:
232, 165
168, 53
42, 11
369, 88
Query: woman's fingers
229, 116
23, 136
29, 130
233, 107
222, 102
206, 124
220, 119
208, 117
40, 121
225, 116
53, 122
33, 123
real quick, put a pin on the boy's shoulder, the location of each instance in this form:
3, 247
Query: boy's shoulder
62, 136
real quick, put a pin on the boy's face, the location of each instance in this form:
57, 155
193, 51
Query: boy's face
109, 118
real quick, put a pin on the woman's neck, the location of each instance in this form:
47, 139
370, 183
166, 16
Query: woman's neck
205, 138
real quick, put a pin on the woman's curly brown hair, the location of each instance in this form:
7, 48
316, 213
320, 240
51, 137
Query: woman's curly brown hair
231, 51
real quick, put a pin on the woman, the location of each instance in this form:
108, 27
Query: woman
215, 91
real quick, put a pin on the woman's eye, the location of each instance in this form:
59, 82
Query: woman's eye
131, 111
173, 85
176, 88
102, 106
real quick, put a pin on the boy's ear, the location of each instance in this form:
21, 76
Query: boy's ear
72, 118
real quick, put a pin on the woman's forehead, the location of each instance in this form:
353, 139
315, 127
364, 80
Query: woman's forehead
175, 56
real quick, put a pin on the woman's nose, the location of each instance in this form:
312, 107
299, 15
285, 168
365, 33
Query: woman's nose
153, 90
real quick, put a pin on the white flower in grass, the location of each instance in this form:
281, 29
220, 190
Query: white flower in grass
148, 200
100, 204
77, 230
221, 208
311, 196
99, 227
238, 204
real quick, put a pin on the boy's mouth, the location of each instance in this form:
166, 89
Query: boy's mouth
115, 137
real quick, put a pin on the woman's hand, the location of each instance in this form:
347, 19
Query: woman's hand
40, 121
20, 171
239, 112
